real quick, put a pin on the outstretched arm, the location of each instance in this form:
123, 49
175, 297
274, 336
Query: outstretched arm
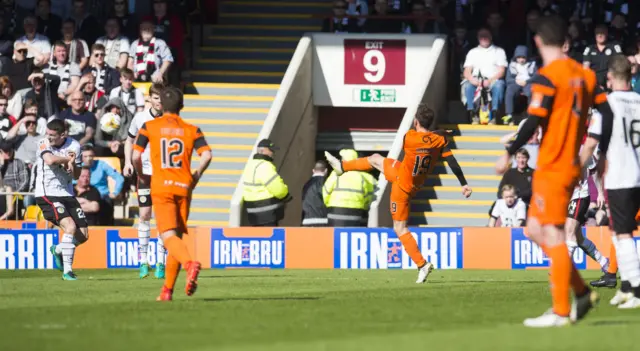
457, 170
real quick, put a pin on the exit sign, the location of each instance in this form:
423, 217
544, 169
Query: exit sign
374, 95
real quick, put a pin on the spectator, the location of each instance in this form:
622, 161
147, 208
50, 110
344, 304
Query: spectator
339, 23
68, 72
6, 45
511, 210
127, 19
519, 177
577, 41
382, 25
88, 197
82, 123
7, 121
61, 8
485, 64
460, 47
132, 96
44, 92
100, 174
314, 211
94, 98
149, 57
38, 45
15, 175
49, 23
107, 77
521, 70
499, 33
169, 28
596, 56
88, 28
12, 14
618, 32
26, 143
14, 107
545, 7
77, 49
357, 8
19, 67
113, 144
116, 45
423, 25
635, 78
530, 32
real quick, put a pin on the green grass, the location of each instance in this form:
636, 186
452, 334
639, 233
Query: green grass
296, 310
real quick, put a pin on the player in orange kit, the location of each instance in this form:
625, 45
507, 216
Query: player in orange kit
562, 93
422, 150
172, 142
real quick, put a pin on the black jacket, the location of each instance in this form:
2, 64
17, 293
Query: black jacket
520, 180
314, 212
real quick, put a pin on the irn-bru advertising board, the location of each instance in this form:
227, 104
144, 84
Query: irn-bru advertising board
25, 246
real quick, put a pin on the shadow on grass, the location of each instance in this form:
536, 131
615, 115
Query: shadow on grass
614, 323
242, 276
283, 298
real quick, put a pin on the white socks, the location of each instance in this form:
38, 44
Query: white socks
144, 229
628, 261
67, 248
590, 249
572, 246
161, 251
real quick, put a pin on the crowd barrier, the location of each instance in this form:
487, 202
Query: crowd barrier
24, 245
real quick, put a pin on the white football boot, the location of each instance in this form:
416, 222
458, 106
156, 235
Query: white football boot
547, 320
631, 303
423, 273
620, 298
335, 163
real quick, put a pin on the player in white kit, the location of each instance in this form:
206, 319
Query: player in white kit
144, 190
620, 147
57, 165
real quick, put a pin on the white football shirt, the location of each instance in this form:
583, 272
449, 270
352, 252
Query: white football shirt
509, 216
54, 180
138, 121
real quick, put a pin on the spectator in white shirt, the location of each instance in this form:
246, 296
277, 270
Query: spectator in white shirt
132, 97
485, 64
149, 57
116, 45
38, 45
511, 211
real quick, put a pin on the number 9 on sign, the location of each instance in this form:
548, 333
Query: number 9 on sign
375, 65
374, 62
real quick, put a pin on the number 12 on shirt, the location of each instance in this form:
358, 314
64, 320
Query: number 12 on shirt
172, 150
421, 164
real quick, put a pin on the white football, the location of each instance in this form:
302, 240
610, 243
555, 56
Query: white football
110, 122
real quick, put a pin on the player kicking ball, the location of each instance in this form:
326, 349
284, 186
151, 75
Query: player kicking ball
562, 93
171, 144
620, 146
422, 150
144, 192
57, 166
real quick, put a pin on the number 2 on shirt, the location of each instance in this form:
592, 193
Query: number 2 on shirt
421, 164
172, 150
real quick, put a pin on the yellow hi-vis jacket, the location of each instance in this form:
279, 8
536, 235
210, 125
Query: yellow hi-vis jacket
350, 190
263, 190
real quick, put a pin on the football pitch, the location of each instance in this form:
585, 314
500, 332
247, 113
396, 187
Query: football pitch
297, 310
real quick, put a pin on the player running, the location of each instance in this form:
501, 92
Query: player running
620, 146
144, 193
562, 93
57, 165
171, 144
422, 150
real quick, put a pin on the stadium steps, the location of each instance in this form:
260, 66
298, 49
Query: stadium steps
254, 40
440, 202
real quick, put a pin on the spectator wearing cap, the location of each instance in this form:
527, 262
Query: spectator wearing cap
26, 134
106, 76
596, 56
7, 121
100, 174
314, 211
82, 123
19, 67
49, 23
44, 91
38, 45
77, 49
15, 176
88, 197
115, 44
264, 191
149, 57
169, 27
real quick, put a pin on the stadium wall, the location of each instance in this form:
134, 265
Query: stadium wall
292, 125
433, 93
25, 246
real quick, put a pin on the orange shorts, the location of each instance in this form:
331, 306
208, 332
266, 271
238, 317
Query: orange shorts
400, 201
171, 211
551, 194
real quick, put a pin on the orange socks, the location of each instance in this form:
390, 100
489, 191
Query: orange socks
613, 260
176, 248
411, 248
563, 274
172, 270
359, 164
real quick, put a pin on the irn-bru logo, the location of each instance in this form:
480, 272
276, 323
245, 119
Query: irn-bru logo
123, 253
526, 254
27, 248
234, 252
369, 248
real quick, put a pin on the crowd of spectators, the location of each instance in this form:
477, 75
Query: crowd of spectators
76, 60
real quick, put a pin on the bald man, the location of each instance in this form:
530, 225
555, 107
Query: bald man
82, 123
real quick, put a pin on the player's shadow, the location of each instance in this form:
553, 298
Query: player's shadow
613, 323
243, 276
276, 298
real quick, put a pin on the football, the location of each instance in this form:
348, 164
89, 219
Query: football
110, 122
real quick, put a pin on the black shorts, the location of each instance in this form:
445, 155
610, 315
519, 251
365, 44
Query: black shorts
144, 193
578, 209
623, 206
55, 208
